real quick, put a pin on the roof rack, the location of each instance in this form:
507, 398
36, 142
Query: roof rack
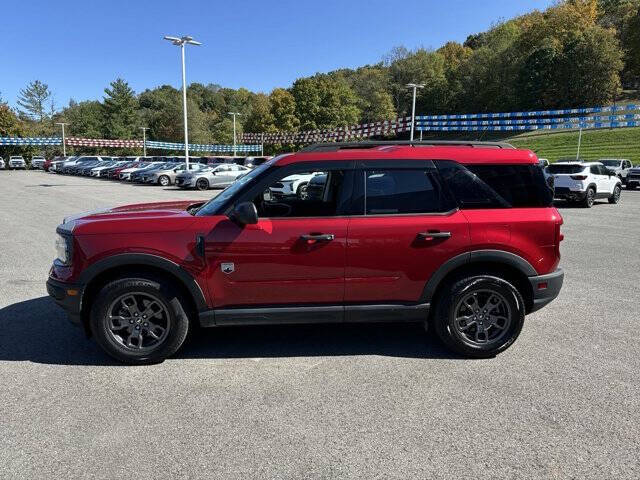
332, 147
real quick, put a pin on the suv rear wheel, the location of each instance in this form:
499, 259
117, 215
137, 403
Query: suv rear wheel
479, 316
139, 320
589, 198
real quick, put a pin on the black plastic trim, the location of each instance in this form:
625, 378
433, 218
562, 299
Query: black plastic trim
543, 297
314, 314
468, 258
130, 259
71, 304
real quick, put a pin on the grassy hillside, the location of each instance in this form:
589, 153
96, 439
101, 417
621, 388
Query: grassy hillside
614, 143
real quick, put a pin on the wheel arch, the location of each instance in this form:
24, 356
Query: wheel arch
131, 264
499, 263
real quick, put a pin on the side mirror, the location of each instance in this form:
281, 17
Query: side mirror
245, 213
266, 195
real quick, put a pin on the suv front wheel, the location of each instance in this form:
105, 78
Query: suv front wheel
479, 316
139, 320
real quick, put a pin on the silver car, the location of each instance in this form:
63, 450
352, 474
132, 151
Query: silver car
215, 176
2, 163
16, 161
168, 175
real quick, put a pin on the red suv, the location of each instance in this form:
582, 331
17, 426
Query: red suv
461, 236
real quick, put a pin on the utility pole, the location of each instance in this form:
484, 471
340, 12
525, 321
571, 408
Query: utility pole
234, 130
414, 86
262, 144
579, 142
64, 147
181, 42
144, 140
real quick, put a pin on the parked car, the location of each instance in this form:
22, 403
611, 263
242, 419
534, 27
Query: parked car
633, 177
167, 176
125, 174
114, 173
544, 163
294, 185
70, 166
2, 164
48, 163
465, 240
140, 175
620, 167
38, 162
214, 176
585, 182
17, 162
101, 170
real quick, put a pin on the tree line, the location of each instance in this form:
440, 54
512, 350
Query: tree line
575, 53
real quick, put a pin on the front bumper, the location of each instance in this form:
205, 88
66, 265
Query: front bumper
68, 296
546, 288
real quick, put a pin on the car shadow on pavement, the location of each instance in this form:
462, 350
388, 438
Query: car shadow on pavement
37, 330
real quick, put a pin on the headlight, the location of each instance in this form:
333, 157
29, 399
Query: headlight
63, 249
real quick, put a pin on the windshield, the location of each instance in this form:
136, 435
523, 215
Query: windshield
566, 169
212, 205
610, 163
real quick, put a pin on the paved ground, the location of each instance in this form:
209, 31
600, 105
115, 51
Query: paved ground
322, 401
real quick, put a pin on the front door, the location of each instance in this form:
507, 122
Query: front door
405, 230
293, 257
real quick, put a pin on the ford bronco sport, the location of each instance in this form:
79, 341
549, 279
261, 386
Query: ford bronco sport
460, 236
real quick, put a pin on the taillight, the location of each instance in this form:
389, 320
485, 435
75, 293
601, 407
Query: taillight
558, 238
579, 177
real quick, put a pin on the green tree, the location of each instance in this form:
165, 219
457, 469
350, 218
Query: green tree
260, 119
371, 86
283, 109
33, 100
121, 110
85, 119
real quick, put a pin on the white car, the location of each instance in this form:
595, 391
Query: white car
16, 161
214, 176
125, 175
2, 165
97, 171
619, 167
293, 185
584, 182
38, 162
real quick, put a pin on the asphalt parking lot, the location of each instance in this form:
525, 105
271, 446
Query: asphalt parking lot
356, 401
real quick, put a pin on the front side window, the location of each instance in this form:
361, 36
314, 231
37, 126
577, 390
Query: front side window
402, 191
312, 193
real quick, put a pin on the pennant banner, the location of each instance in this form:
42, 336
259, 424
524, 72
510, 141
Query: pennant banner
30, 141
202, 148
505, 128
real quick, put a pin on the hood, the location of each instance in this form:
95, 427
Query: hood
136, 218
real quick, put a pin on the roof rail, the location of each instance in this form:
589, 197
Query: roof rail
335, 146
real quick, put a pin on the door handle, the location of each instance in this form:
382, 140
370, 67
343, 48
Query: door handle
321, 237
433, 235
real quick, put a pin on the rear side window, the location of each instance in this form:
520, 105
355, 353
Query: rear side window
497, 186
389, 192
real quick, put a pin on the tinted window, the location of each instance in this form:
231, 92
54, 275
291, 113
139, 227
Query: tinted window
496, 186
289, 196
401, 191
565, 169
595, 170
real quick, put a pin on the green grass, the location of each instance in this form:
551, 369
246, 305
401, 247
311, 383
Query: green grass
609, 143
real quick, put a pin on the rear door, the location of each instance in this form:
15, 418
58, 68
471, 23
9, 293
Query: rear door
403, 227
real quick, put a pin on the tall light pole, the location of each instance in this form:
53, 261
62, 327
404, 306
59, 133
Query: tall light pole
579, 142
64, 147
415, 86
234, 130
144, 140
181, 42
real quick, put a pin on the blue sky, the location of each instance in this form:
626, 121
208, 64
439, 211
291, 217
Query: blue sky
78, 47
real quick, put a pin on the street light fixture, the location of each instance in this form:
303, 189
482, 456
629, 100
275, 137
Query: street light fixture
181, 42
234, 130
415, 86
144, 140
64, 147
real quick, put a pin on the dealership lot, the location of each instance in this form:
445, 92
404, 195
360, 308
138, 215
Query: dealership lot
367, 401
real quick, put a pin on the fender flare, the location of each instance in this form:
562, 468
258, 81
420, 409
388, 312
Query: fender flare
468, 258
146, 259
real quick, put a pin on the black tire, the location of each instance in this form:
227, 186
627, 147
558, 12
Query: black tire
615, 196
202, 184
589, 198
164, 180
301, 191
448, 324
173, 317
